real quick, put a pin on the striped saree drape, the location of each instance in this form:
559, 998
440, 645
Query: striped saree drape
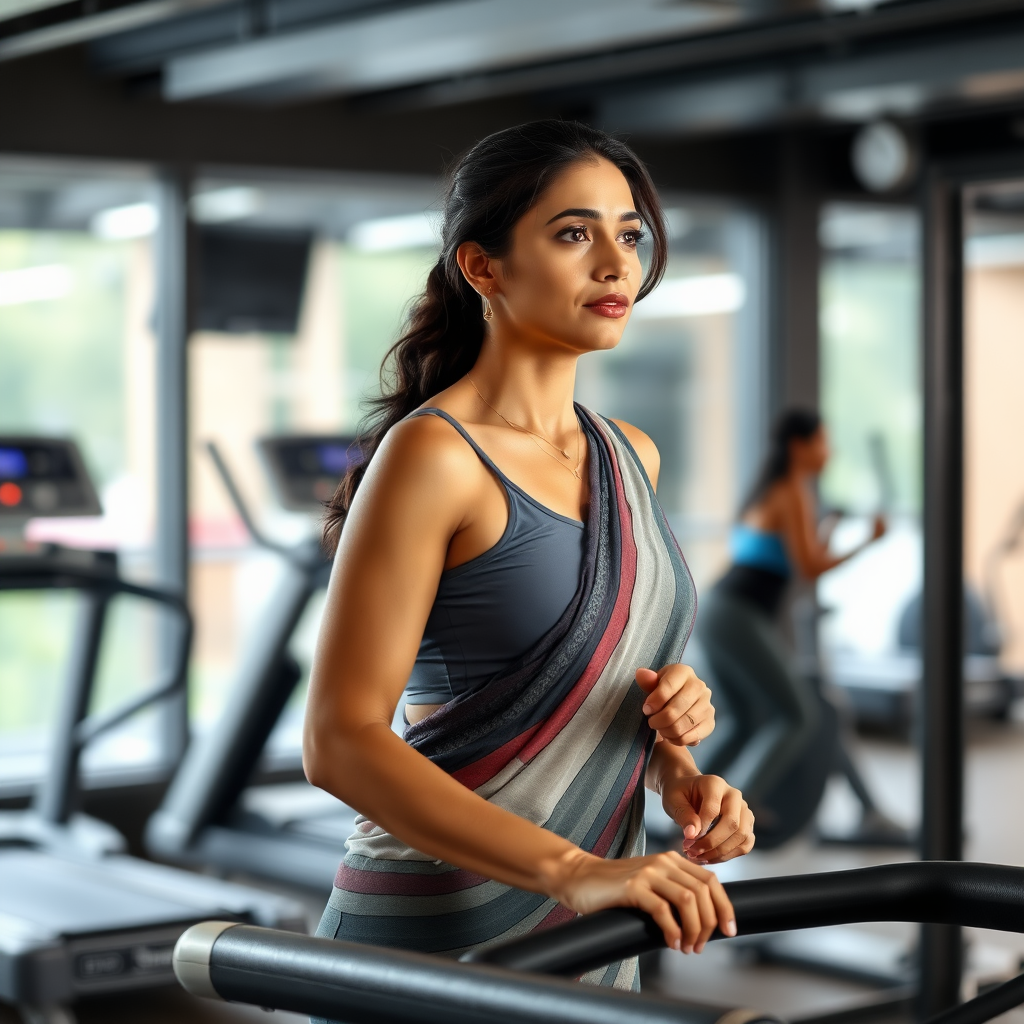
559, 737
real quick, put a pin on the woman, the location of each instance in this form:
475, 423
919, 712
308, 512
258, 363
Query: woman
505, 563
777, 709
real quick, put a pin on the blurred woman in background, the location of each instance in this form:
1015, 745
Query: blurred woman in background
776, 538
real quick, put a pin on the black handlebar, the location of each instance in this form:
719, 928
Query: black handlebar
368, 985
241, 507
96, 573
305, 554
363, 983
935, 892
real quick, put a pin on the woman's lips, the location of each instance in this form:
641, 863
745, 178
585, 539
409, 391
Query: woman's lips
612, 306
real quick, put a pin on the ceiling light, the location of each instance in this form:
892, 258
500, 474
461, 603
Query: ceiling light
693, 296
385, 234
903, 99
995, 251
137, 220
34, 284
226, 204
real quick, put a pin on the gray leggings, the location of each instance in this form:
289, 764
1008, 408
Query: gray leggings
772, 712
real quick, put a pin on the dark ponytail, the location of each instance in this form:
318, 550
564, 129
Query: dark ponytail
491, 188
791, 425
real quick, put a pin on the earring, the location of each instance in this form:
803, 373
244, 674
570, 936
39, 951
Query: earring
488, 311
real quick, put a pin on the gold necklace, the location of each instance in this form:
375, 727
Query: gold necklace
575, 470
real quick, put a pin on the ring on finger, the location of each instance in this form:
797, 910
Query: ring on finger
690, 717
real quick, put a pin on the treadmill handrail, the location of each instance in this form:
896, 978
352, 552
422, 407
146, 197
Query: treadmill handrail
370, 985
935, 892
324, 976
240, 504
31, 572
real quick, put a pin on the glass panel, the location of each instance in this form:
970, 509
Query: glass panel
993, 426
369, 245
993, 534
871, 402
76, 286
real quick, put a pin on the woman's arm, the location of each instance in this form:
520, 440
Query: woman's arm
385, 576
717, 824
418, 495
798, 512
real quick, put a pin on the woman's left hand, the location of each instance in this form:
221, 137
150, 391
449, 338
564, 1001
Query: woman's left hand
678, 704
717, 824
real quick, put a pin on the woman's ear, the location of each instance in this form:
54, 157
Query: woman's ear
477, 268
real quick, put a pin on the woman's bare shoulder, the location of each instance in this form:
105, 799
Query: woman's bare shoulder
780, 507
645, 448
426, 445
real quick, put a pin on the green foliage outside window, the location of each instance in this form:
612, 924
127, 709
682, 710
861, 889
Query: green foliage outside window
61, 373
870, 380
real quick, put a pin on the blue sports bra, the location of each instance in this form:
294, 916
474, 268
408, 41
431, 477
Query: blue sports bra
495, 607
759, 549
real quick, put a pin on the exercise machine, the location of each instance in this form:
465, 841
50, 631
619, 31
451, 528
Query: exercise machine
790, 807
360, 984
883, 689
78, 916
204, 819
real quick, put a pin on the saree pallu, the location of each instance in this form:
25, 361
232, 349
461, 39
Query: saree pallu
559, 737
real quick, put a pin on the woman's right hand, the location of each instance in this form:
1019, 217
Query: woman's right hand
658, 884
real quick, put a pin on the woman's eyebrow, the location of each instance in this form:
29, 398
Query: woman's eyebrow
591, 215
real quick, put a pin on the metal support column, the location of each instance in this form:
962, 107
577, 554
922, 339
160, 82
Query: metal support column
172, 328
55, 798
795, 351
747, 247
942, 732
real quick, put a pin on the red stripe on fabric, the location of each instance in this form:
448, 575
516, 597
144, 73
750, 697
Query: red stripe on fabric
403, 883
559, 915
529, 744
612, 634
476, 774
604, 841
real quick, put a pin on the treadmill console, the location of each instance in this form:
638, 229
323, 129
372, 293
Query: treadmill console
43, 476
306, 469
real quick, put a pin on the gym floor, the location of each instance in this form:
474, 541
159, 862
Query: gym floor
994, 831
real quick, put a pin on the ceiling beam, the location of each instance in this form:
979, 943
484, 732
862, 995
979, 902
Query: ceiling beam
724, 50
438, 41
95, 26
901, 81
19, 8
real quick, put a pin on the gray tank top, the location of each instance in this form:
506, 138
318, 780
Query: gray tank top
495, 607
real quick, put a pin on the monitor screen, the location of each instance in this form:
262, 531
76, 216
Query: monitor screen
42, 476
250, 280
306, 470
13, 463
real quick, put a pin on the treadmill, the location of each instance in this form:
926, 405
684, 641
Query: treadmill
212, 815
78, 916
529, 980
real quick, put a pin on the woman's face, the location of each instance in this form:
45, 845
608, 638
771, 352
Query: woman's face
811, 455
573, 271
